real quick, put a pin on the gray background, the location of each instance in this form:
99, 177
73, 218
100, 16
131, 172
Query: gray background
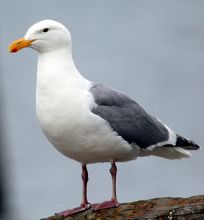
151, 50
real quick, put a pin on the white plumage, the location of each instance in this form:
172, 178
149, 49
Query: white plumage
89, 122
63, 103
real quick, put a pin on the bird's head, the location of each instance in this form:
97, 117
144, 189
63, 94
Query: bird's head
44, 36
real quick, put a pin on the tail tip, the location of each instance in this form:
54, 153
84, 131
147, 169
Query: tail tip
186, 143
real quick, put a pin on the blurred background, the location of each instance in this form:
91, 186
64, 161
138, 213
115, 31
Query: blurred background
151, 50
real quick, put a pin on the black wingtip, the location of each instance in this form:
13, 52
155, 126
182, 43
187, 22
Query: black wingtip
186, 144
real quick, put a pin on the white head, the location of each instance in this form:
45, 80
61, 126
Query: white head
44, 36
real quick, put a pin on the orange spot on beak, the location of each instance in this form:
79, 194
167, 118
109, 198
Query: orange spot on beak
19, 44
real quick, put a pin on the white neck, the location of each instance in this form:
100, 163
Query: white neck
58, 64
58, 78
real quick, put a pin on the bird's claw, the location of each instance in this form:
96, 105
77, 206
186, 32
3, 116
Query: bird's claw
106, 204
81, 208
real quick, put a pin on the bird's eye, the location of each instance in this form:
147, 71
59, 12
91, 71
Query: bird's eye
45, 29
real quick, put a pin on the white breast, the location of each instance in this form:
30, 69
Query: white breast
63, 104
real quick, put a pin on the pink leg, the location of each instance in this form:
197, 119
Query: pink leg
85, 179
85, 204
113, 202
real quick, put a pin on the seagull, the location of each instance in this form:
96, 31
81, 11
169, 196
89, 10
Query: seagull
87, 121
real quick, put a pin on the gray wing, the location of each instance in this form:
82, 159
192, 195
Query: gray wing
127, 118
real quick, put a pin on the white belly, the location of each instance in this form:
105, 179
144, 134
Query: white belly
76, 132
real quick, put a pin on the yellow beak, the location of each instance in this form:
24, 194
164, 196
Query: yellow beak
19, 44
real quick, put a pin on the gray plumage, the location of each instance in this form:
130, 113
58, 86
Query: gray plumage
131, 121
127, 117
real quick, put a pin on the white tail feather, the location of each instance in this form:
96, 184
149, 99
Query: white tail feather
170, 153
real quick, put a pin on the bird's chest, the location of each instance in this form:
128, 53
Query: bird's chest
68, 123
61, 112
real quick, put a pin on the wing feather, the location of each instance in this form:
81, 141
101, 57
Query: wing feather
127, 117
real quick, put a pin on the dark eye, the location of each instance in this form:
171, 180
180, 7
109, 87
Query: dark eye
45, 29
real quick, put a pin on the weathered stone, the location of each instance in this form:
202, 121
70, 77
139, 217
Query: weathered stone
159, 209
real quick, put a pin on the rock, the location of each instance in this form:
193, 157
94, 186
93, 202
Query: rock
160, 208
